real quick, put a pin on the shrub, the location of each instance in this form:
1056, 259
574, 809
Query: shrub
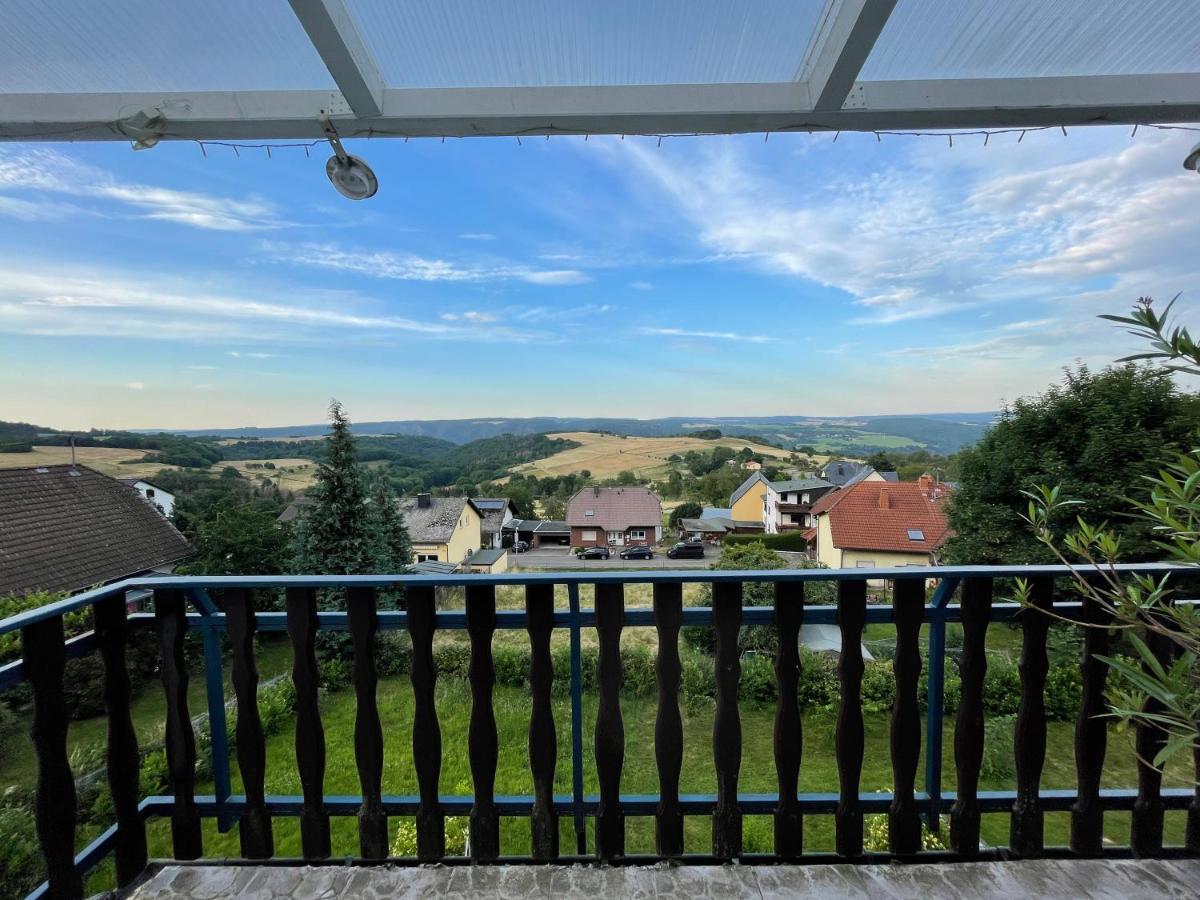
1064, 691
640, 677
1001, 687
786, 540
512, 665
405, 841
698, 685
757, 684
875, 834
334, 674
878, 686
393, 653
21, 866
452, 659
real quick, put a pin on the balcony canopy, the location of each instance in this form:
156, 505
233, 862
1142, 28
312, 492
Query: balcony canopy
227, 69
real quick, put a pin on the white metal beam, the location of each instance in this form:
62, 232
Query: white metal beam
333, 33
635, 109
840, 46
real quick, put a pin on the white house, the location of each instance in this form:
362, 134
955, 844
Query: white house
162, 500
786, 503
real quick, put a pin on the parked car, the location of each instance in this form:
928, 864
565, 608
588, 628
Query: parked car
687, 550
637, 551
595, 553
520, 546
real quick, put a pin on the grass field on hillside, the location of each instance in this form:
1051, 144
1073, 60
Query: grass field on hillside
112, 461
605, 455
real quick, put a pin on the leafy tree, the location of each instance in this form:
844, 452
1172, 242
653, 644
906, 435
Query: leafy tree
1097, 435
684, 511
752, 556
881, 462
521, 498
554, 508
625, 476
237, 537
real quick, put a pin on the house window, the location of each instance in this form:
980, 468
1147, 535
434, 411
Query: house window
149, 493
427, 557
794, 518
588, 535
804, 498
866, 564
916, 534
637, 534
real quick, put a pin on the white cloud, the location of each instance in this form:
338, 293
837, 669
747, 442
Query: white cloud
716, 335
641, 285
939, 231
478, 236
470, 315
136, 385
45, 170
240, 355
63, 301
391, 265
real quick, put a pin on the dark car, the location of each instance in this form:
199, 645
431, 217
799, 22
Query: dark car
637, 551
687, 550
520, 546
595, 553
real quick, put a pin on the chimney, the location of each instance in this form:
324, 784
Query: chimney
885, 500
926, 483
423, 501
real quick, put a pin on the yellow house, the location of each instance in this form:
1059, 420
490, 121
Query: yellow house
445, 529
880, 524
746, 503
488, 561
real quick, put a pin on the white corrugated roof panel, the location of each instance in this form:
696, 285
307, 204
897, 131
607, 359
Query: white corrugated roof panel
529, 43
926, 39
76, 46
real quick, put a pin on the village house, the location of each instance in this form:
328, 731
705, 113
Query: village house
786, 504
614, 516
496, 512
160, 499
488, 561
746, 502
67, 528
537, 532
879, 524
442, 529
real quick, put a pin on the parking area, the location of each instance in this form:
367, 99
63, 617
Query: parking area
561, 558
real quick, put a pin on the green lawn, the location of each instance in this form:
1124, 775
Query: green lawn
818, 771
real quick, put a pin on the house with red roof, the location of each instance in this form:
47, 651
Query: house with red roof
614, 516
877, 524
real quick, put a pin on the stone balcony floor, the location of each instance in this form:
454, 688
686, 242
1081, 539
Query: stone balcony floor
1115, 879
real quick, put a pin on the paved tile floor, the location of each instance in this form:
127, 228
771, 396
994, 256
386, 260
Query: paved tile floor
1100, 879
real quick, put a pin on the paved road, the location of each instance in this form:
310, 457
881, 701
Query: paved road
559, 558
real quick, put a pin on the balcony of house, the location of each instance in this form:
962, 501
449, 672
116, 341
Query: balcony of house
569, 768
792, 516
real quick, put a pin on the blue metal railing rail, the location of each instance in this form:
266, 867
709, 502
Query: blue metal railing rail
236, 617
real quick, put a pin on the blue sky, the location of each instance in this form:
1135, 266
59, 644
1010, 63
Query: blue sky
705, 276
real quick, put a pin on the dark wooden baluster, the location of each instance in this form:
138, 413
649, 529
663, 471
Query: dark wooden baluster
123, 761
368, 733
427, 734
789, 737
254, 826
44, 657
610, 728
1026, 828
1191, 841
908, 611
170, 614
481, 735
543, 740
1146, 828
1091, 735
310, 735
968, 726
848, 739
668, 724
727, 723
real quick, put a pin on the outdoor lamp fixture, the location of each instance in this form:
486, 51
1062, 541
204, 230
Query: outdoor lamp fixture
145, 128
352, 177
1192, 160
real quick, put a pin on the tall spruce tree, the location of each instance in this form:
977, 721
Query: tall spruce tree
340, 532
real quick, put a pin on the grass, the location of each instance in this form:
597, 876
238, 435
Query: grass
114, 461
818, 769
605, 455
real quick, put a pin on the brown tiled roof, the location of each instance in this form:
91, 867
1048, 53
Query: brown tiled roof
65, 528
877, 515
614, 508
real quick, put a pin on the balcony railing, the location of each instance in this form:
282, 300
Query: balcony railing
45, 651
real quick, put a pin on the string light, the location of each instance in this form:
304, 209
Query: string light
805, 128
